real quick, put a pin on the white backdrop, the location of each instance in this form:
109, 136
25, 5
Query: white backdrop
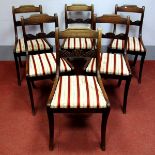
57, 6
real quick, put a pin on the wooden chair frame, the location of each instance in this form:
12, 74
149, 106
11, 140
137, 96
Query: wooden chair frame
37, 20
81, 8
67, 54
116, 19
17, 23
133, 9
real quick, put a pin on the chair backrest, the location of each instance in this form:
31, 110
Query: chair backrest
79, 9
78, 33
22, 10
133, 9
114, 20
38, 19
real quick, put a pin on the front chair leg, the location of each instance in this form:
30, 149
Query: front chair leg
135, 60
119, 82
33, 84
31, 95
141, 68
126, 94
105, 115
51, 129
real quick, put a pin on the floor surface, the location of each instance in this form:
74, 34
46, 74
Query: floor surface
77, 134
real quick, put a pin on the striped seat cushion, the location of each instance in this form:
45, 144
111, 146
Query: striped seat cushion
78, 43
33, 45
117, 44
78, 92
133, 44
113, 64
45, 64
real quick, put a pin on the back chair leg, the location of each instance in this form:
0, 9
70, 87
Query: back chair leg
31, 95
141, 68
17, 69
127, 85
105, 115
51, 129
135, 60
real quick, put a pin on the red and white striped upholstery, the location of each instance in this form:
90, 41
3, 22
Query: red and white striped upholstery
78, 92
133, 44
33, 45
78, 43
45, 64
117, 44
113, 64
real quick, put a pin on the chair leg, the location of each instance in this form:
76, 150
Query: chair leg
33, 84
105, 115
31, 95
17, 69
119, 82
135, 60
141, 68
51, 129
20, 62
126, 94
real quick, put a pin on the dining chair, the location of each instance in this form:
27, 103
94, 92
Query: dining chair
41, 63
19, 46
78, 16
135, 45
113, 64
77, 93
